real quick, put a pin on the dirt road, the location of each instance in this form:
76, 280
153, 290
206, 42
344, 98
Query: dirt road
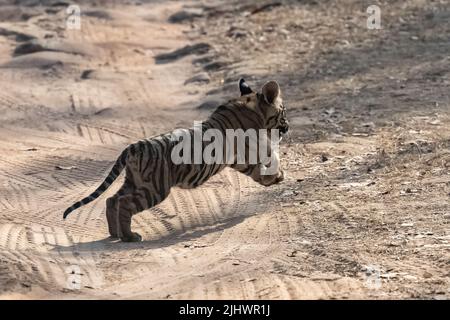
364, 211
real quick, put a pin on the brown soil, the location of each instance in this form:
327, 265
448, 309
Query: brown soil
363, 213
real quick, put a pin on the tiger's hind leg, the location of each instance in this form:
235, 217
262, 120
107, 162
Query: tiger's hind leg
112, 209
112, 216
133, 203
128, 206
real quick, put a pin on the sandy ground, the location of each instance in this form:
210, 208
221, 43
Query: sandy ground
364, 212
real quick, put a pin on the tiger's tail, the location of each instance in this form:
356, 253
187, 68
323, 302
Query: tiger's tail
113, 174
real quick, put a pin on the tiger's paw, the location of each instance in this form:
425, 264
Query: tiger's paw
280, 177
136, 237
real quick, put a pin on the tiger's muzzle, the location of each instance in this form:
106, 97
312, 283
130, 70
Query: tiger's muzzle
283, 127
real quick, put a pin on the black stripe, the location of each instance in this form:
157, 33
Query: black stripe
138, 204
244, 115
186, 171
162, 147
150, 157
270, 119
123, 157
108, 180
236, 116
158, 170
141, 157
148, 197
216, 170
224, 119
248, 170
227, 109
209, 175
256, 114
115, 171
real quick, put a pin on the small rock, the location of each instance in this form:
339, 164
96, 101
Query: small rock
201, 77
216, 65
288, 193
236, 32
28, 47
389, 275
203, 60
185, 15
393, 244
368, 125
19, 36
408, 191
209, 105
86, 74
65, 168
198, 48
407, 224
292, 254
410, 277
99, 14
434, 122
429, 16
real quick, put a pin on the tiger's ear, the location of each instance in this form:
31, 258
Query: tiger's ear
271, 91
244, 88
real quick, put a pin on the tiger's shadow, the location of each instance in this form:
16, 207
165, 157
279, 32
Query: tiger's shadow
175, 238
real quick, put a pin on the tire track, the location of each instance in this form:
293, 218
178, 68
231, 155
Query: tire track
55, 139
61, 261
14, 242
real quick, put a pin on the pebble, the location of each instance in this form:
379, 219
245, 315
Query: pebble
201, 77
410, 277
407, 224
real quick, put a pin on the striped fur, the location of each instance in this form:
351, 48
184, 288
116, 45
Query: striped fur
150, 172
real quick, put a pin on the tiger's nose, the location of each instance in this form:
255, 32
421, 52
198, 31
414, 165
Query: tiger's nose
284, 129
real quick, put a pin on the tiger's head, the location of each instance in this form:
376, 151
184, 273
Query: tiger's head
268, 103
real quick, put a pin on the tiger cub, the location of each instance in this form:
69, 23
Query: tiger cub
151, 172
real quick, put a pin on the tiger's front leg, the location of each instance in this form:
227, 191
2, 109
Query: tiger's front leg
268, 174
260, 174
